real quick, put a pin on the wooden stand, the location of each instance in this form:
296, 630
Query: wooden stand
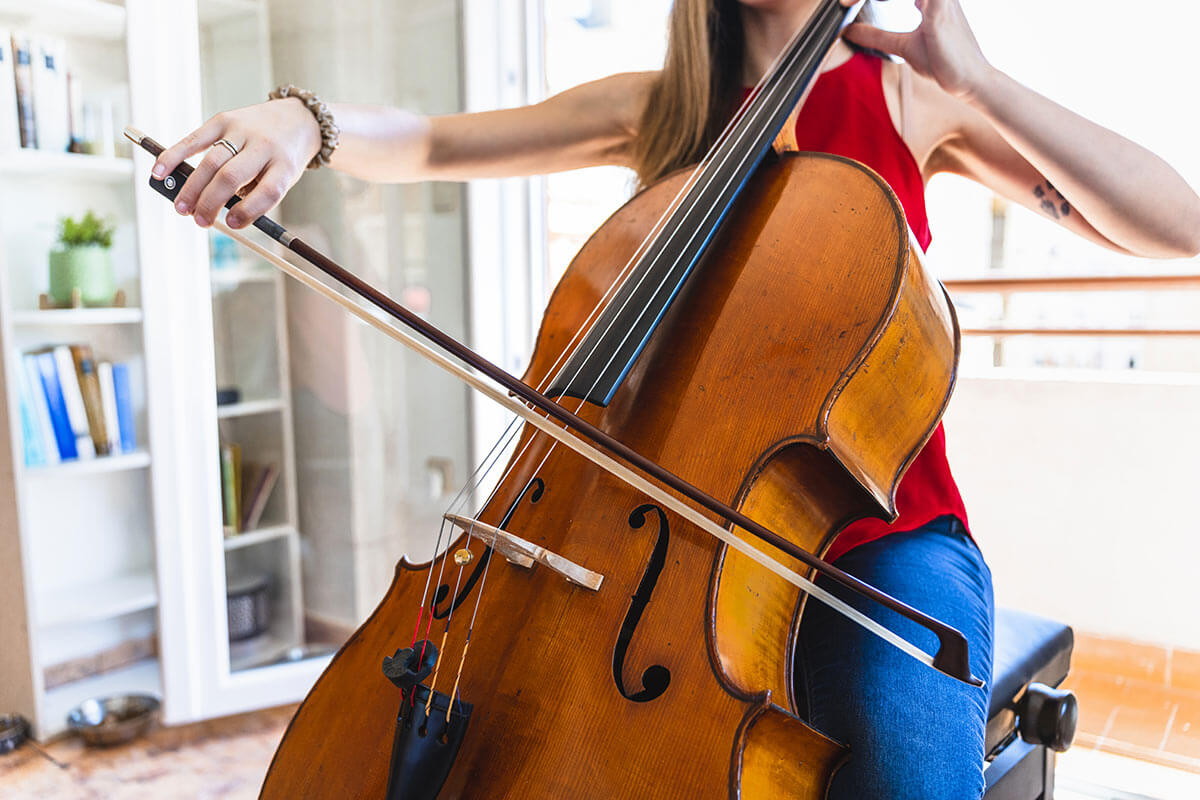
46, 304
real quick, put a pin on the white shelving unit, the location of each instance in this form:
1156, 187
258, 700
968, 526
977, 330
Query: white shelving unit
94, 466
250, 328
114, 597
78, 537
66, 166
100, 553
61, 317
93, 20
248, 408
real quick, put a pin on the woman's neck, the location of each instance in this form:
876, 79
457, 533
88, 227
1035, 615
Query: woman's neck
768, 28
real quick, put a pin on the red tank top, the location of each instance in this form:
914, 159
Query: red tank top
846, 115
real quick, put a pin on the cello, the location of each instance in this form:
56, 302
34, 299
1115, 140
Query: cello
742, 360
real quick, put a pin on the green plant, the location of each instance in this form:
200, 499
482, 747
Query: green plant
87, 231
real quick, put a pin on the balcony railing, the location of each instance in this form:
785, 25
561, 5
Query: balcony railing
1084, 283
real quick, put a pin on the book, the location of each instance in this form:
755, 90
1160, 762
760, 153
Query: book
23, 81
50, 94
10, 133
64, 437
31, 438
108, 402
79, 141
259, 483
41, 409
124, 401
76, 413
231, 456
89, 387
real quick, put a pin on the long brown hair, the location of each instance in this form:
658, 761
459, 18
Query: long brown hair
697, 91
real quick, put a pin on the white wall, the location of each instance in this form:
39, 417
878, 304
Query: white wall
1081, 490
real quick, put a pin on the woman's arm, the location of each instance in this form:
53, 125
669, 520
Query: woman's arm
586, 126
1024, 146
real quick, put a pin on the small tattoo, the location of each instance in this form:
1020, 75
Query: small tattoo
1056, 208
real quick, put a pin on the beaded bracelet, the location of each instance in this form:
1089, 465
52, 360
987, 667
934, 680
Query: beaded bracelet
329, 131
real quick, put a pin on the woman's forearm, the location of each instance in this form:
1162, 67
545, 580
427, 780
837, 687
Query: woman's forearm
1128, 194
378, 143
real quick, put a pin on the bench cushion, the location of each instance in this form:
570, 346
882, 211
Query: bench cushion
1028, 648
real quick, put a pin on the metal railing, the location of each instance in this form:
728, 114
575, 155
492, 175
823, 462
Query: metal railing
1085, 283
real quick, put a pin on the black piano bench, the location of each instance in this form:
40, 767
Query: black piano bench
1029, 720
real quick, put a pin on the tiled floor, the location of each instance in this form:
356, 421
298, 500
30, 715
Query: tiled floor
1138, 719
224, 758
227, 758
1085, 774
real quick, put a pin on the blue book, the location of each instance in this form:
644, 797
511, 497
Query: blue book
64, 435
41, 410
121, 392
31, 437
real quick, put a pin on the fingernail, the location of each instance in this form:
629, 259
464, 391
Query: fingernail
159, 171
182, 207
233, 220
202, 221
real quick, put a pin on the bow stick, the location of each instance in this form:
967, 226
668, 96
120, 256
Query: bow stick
581, 436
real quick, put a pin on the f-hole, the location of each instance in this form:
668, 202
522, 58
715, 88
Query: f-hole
534, 489
656, 677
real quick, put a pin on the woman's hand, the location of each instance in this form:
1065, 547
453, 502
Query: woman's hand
274, 143
942, 48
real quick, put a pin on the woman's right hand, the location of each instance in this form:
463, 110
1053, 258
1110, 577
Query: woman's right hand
274, 141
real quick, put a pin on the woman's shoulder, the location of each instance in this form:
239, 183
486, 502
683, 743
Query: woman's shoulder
622, 95
925, 116
612, 105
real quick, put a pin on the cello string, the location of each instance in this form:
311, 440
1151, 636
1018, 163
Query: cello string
441, 572
493, 454
769, 101
808, 32
697, 173
773, 105
480, 472
437, 665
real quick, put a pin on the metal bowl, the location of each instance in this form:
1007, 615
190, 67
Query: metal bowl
304, 651
113, 720
14, 730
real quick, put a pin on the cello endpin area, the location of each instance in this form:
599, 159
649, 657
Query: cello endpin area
523, 553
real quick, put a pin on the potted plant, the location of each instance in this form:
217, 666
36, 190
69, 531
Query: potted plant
81, 271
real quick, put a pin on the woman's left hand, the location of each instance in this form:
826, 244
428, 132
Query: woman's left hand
942, 47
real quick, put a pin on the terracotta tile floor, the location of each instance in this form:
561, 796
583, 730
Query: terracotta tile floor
223, 758
227, 758
1138, 719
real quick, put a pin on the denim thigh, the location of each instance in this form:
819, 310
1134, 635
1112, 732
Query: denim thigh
913, 733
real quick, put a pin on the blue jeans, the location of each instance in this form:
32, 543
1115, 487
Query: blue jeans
913, 733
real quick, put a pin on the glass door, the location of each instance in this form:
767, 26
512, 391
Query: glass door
337, 449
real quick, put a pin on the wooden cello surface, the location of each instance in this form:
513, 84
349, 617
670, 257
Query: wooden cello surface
799, 372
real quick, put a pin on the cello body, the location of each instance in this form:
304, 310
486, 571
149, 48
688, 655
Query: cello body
798, 373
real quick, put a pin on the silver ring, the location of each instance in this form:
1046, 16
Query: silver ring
228, 145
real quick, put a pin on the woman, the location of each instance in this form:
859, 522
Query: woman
912, 733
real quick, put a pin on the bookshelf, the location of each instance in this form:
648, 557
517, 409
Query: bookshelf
250, 342
61, 317
251, 347
66, 166
92, 20
80, 534
115, 463
121, 560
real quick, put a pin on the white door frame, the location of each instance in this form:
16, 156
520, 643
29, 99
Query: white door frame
506, 227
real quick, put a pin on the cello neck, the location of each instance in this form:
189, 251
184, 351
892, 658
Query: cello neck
608, 351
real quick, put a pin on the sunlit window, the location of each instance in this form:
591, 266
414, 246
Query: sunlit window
1122, 70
